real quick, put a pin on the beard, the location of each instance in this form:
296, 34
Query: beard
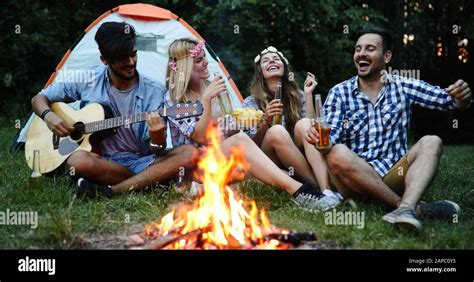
121, 74
369, 74
373, 73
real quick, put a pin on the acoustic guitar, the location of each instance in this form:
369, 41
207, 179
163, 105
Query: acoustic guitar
54, 150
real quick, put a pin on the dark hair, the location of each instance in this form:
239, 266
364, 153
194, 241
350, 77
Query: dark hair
387, 41
290, 94
116, 40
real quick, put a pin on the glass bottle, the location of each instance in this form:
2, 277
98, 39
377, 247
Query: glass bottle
277, 118
321, 125
36, 178
225, 102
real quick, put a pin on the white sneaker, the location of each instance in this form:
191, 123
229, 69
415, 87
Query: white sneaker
332, 194
318, 202
391, 216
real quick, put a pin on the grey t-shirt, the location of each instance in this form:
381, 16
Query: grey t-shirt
124, 140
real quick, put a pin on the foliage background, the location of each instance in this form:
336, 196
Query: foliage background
309, 32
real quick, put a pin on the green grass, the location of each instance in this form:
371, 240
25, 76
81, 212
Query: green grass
66, 222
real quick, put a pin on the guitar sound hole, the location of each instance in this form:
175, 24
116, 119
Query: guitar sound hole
78, 132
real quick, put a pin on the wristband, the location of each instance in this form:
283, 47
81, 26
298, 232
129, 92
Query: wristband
44, 113
157, 147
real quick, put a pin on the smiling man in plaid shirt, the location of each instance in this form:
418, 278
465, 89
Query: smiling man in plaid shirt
370, 116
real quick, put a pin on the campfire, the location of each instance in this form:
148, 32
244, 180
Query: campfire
218, 218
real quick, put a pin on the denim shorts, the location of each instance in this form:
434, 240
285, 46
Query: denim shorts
135, 163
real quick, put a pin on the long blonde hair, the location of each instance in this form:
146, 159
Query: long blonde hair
290, 96
178, 79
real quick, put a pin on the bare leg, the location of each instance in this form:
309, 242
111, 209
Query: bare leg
423, 160
261, 166
164, 169
95, 169
316, 160
279, 147
358, 177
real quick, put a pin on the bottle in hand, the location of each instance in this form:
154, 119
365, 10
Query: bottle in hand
321, 125
277, 118
225, 103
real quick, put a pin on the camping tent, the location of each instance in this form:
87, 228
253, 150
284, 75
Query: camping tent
156, 28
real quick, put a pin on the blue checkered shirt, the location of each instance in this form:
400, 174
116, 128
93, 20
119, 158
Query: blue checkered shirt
378, 132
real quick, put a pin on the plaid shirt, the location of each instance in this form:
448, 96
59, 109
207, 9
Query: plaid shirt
378, 132
182, 129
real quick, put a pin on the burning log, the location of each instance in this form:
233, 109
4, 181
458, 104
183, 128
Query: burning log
218, 219
173, 238
293, 238
194, 240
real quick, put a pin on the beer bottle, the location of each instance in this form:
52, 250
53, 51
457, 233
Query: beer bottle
225, 103
36, 178
321, 125
277, 118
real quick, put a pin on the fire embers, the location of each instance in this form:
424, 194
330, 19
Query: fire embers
224, 237
218, 219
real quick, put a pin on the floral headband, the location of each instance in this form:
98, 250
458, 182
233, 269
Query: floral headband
192, 52
267, 50
197, 49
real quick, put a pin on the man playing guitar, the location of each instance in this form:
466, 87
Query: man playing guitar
134, 157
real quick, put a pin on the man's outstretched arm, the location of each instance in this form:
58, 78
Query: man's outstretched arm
461, 93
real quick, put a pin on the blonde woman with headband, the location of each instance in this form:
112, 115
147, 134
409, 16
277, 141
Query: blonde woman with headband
283, 143
188, 81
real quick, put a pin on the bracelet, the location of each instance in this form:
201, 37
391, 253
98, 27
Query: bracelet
156, 146
44, 113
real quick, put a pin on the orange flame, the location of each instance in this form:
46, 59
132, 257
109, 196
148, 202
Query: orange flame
218, 213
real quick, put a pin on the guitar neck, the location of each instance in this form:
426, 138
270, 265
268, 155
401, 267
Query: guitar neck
109, 123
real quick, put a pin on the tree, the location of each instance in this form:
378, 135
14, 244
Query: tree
313, 35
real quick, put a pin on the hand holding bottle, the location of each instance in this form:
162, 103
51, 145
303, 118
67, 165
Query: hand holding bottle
277, 116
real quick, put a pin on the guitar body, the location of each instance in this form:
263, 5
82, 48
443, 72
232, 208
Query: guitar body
55, 150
